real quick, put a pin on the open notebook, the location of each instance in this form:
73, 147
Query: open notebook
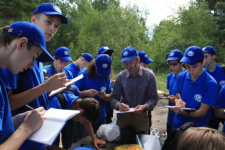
55, 119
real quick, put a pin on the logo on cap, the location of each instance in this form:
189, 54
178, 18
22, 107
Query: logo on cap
125, 53
190, 53
171, 54
198, 97
222, 83
146, 55
102, 89
56, 8
66, 53
105, 66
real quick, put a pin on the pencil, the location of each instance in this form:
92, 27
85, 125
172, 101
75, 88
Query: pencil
178, 96
29, 107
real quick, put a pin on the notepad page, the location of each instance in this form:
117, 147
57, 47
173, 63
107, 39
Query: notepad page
60, 114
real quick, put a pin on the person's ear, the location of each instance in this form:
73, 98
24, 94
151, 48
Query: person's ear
21, 43
214, 56
138, 59
33, 19
203, 63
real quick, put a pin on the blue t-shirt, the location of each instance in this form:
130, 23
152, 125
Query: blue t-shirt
220, 102
6, 122
74, 69
218, 75
69, 96
67, 72
99, 83
193, 93
171, 80
32, 78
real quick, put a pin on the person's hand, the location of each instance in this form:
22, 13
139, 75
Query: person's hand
91, 93
101, 95
180, 103
34, 119
171, 98
123, 107
160, 94
56, 81
139, 109
176, 109
97, 142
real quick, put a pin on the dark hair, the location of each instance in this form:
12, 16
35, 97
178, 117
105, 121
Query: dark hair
201, 138
6, 39
91, 109
56, 57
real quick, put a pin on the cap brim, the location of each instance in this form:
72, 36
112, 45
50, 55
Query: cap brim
172, 58
148, 61
127, 58
188, 61
103, 72
108, 50
45, 56
65, 59
64, 19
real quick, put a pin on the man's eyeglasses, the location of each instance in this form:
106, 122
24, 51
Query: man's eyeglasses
172, 64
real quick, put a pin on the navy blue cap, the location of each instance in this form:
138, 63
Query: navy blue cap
34, 34
50, 9
63, 53
103, 64
104, 49
128, 54
193, 55
144, 57
209, 49
87, 56
175, 55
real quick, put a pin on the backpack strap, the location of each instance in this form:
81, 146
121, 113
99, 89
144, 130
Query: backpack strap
223, 67
61, 98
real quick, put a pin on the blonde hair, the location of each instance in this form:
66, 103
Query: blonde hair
201, 138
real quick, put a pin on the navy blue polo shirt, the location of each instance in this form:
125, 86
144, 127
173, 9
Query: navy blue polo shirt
203, 90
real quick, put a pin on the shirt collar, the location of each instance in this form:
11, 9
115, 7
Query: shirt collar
140, 72
200, 78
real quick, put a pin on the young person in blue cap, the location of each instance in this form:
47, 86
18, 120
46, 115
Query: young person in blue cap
217, 72
176, 67
136, 87
145, 60
20, 41
62, 58
82, 62
197, 90
108, 107
96, 84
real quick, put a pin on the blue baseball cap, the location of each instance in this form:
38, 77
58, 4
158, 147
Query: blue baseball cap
34, 34
193, 55
104, 49
128, 54
50, 9
87, 56
144, 57
103, 64
175, 55
209, 49
63, 53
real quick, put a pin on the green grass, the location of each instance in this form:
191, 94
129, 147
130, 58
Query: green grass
161, 82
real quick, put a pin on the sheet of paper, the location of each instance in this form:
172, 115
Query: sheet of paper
129, 111
60, 114
182, 108
67, 84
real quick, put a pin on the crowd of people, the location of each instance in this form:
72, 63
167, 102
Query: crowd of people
198, 88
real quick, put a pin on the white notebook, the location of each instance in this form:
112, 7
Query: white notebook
55, 119
67, 84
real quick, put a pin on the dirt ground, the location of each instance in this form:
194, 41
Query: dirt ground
159, 119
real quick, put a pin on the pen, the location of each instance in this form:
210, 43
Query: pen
29, 107
178, 96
